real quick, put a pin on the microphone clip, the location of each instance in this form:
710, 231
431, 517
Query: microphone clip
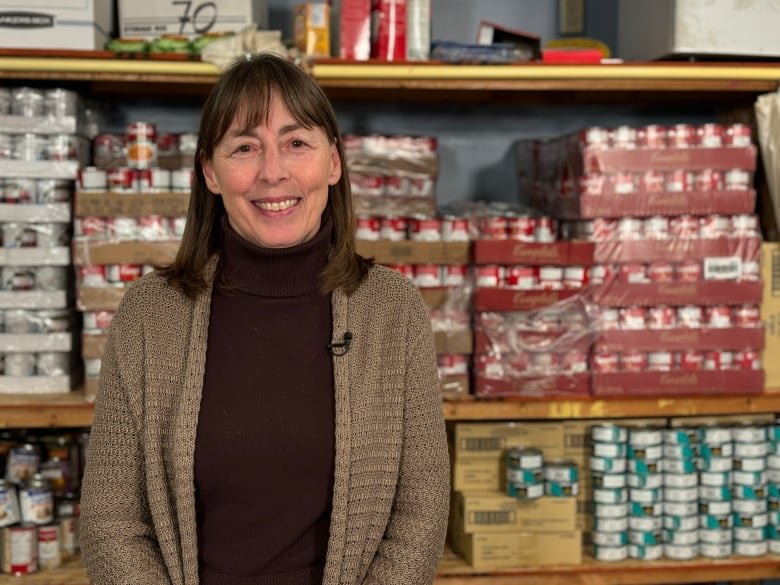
339, 348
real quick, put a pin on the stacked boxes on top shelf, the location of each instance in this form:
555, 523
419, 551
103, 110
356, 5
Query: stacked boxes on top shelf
130, 213
532, 328
393, 190
676, 277
40, 152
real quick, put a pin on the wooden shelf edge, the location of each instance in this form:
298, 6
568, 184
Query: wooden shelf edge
610, 408
68, 410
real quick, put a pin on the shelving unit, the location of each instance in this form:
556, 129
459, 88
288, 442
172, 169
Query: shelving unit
730, 83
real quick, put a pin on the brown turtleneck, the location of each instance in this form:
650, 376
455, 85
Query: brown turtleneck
264, 451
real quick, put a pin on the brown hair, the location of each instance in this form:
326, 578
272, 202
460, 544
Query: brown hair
244, 92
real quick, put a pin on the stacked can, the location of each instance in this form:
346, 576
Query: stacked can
716, 465
749, 481
773, 488
525, 473
645, 482
561, 479
681, 493
608, 466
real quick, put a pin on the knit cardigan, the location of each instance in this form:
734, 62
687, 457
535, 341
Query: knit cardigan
391, 478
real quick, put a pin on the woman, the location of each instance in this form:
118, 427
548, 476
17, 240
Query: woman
268, 409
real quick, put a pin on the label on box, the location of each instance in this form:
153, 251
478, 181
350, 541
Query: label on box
723, 268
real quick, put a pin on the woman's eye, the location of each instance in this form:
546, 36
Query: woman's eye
244, 148
297, 143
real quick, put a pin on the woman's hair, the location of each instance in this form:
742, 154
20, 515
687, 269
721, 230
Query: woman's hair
244, 92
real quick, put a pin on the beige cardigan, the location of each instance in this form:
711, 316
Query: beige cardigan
391, 484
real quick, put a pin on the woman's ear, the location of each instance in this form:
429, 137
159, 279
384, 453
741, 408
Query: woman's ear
334, 173
210, 177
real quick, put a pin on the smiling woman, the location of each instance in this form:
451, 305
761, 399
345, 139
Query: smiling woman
234, 441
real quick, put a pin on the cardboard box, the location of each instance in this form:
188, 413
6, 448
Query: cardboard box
151, 19
703, 292
497, 512
676, 250
476, 474
456, 341
733, 338
492, 550
553, 386
507, 299
99, 298
156, 253
56, 24
130, 204
311, 28
606, 160
511, 252
770, 312
414, 252
653, 30
454, 386
678, 383
490, 440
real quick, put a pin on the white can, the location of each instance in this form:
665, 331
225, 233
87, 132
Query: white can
678, 466
715, 478
681, 509
682, 435
646, 552
715, 507
773, 459
646, 524
609, 450
749, 433
744, 492
715, 435
749, 478
645, 437
646, 496
609, 538
684, 537
750, 464
716, 464
680, 451
646, 453
722, 450
645, 465
608, 465
610, 496
681, 552
681, 523
751, 520
715, 535
646, 510
609, 480
715, 551
722, 522
681, 480
610, 554
749, 534
714, 494
610, 524
681, 494
751, 549
610, 510
645, 480
20, 364
774, 547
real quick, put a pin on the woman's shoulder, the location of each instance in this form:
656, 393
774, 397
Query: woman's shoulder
383, 278
153, 292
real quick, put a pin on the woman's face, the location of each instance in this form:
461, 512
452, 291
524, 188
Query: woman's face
274, 178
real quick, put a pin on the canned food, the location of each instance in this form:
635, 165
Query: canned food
751, 450
681, 523
680, 451
715, 535
721, 522
53, 191
750, 464
562, 471
181, 180
751, 520
645, 480
750, 549
681, 552
749, 433
715, 494
606, 525
745, 492
610, 510
715, 551
9, 504
646, 495
27, 101
721, 507
609, 554
713, 451
558, 489
645, 437
646, 523
610, 495
646, 552
19, 550
609, 538
657, 228
527, 458
681, 536
681, 509
49, 547
425, 229
646, 452
36, 501
681, 494
773, 459
646, 510
68, 537
608, 480
610, 450
608, 464
715, 478
645, 465
525, 491
681, 435
455, 229
60, 102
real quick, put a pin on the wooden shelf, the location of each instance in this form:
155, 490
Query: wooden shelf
69, 410
416, 80
72, 410
454, 571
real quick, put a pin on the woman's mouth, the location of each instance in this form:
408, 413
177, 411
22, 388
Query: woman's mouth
276, 205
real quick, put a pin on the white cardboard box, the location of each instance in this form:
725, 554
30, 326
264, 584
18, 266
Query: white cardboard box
154, 18
55, 24
650, 30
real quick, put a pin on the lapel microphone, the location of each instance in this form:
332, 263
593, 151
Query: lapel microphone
339, 348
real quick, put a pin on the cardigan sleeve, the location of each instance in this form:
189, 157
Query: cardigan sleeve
118, 540
412, 544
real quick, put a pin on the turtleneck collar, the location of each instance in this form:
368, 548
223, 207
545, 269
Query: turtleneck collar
273, 272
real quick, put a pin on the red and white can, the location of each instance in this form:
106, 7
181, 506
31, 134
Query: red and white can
679, 181
551, 277
573, 361
427, 275
123, 273
633, 361
97, 321
92, 275
737, 180
20, 549
624, 182
454, 274
152, 228
366, 185
91, 179
367, 228
630, 228
604, 362
426, 229
494, 227
711, 135
601, 273
718, 359
452, 364
633, 318
708, 180
421, 186
652, 181
651, 136
714, 225
522, 228
574, 277
656, 227
689, 316
522, 277
604, 229
747, 359
624, 137
745, 225
455, 229
91, 227
719, 317
692, 359
489, 276
738, 135
120, 180
543, 362
660, 271
544, 229
682, 136
634, 273
406, 270
591, 184
689, 271
608, 319
660, 361
393, 228
684, 226
596, 137
661, 317
395, 185
747, 316
751, 271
